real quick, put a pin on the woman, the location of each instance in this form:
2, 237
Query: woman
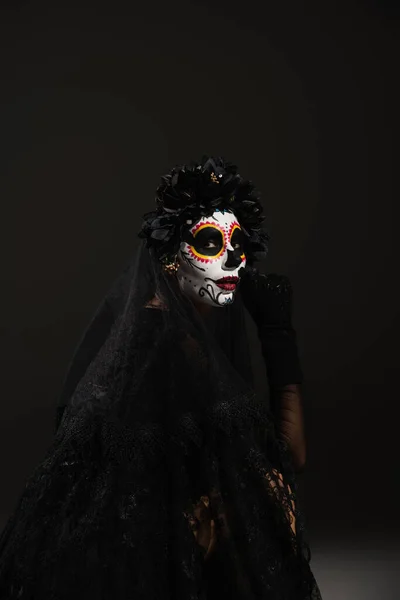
167, 477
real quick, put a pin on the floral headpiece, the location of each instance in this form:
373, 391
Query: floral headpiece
188, 193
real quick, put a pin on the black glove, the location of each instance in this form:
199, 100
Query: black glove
268, 298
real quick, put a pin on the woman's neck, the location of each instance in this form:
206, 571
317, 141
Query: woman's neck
202, 308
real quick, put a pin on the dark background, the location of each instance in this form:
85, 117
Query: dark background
99, 99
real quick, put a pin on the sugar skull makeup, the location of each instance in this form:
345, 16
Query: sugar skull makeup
210, 257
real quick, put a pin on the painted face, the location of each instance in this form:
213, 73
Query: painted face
210, 259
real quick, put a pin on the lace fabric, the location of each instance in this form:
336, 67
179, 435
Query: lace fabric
166, 478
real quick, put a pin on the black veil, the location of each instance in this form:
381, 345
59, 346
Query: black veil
157, 410
141, 280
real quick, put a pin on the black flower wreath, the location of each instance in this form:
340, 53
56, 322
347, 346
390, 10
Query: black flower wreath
188, 193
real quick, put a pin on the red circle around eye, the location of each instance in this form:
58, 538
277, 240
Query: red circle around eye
207, 257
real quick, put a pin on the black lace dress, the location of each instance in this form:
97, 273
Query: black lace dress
166, 478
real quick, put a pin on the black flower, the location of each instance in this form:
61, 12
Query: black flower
195, 191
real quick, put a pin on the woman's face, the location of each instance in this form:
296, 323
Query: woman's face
210, 259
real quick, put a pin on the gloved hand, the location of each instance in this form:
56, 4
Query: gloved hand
268, 298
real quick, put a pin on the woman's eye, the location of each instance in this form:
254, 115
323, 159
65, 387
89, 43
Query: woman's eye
210, 244
237, 240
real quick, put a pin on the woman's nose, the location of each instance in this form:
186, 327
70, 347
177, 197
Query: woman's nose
233, 260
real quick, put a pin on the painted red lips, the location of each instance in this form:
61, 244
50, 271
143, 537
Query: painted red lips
228, 283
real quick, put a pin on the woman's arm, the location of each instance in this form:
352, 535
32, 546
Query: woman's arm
287, 407
268, 298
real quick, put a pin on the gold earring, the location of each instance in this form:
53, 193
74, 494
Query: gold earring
171, 267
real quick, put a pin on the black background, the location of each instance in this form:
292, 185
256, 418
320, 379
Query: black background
99, 99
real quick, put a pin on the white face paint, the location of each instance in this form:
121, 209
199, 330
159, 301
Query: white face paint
210, 261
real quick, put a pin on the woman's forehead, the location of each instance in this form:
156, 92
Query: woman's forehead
221, 219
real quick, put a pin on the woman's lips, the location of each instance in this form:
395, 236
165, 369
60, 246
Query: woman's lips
227, 286
228, 283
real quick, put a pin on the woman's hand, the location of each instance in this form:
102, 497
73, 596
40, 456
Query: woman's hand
289, 513
203, 526
268, 299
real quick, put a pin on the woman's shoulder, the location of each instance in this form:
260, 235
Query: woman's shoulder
149, 315
155, 303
